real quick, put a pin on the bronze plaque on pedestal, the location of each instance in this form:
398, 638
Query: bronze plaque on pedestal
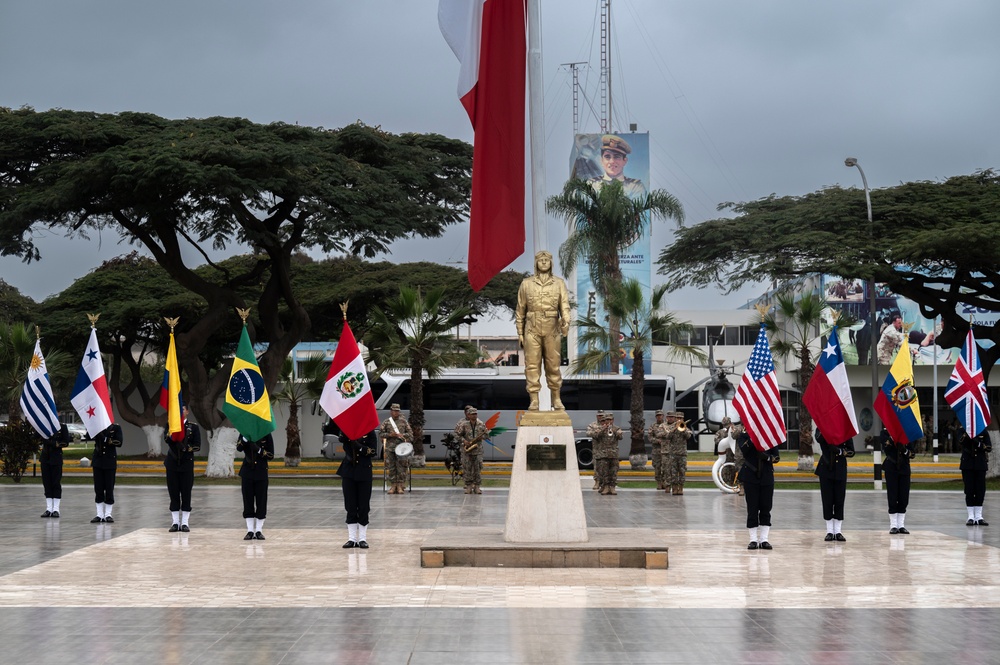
546, 457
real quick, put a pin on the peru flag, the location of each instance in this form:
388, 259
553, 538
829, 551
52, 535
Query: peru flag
347, 395
90, 395
489, 39
828, 395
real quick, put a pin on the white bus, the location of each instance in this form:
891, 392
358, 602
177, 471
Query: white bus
501, 399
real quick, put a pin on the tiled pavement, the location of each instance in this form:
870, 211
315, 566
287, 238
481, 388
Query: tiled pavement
73, 592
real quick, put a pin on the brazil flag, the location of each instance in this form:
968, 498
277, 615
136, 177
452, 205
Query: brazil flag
247, 405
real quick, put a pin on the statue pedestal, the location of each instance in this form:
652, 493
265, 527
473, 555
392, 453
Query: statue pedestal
545, 504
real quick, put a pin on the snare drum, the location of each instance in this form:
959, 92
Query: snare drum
404, 450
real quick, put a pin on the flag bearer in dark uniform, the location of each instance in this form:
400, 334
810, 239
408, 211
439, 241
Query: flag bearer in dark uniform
897, 479
832, 472
975, 460
179, 464
356, 474
105, 467
757, 476
51, 459
253, 477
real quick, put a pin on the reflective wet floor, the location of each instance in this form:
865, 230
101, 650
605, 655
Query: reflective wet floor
130, 592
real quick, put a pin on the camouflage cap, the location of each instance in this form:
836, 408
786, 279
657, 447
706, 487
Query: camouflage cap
727, 421
659, 412
615, 143
678, 414
394, 407
471, 410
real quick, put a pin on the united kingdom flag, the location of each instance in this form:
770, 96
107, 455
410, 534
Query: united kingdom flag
966, 391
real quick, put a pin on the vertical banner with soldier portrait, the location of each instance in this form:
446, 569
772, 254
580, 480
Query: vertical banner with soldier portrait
600, 158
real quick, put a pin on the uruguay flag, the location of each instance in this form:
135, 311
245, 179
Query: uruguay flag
828, 395
966, 391
37, 403
90, 395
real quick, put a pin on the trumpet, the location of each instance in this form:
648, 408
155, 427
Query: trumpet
681, 426
471, 445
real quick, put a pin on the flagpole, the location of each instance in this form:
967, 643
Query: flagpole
536, 126
934, 408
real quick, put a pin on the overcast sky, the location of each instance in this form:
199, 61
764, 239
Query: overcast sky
741, 98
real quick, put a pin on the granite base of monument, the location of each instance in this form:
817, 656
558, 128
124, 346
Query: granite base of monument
546, 524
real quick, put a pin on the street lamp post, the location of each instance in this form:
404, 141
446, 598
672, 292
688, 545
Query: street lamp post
873, 346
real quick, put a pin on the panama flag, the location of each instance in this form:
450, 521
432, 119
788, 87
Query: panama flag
170, 393
966, 391
757, 398
90, 395
347, 395
489, 39
828, 395
247, 405
37, 403
897, 402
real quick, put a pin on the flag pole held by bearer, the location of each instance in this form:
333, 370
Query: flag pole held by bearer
347, 395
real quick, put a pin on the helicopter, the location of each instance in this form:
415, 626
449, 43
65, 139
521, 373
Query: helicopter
718, 394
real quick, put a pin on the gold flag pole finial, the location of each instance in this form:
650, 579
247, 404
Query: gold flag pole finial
835, 315
908, 326
172, 322
762, 310
93, 319
343, 308
38, 333
244, 314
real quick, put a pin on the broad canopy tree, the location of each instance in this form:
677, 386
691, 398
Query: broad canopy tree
932, 242
179, 186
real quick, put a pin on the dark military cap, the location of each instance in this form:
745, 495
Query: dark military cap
616, 143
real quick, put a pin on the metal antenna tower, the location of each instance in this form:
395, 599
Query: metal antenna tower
574, 68
605, 66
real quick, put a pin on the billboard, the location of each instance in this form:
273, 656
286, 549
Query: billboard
599, 158
850, 296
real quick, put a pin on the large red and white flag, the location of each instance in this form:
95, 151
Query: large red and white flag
90, 396
347, 395
489, 39
757, 398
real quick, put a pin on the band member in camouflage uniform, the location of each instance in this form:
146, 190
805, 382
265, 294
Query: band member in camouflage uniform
676, 456
658, 438
394, 431
593, 429
468, 430
606, 453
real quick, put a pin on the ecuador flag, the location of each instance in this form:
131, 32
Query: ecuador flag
247, 404
897, 402
170, 393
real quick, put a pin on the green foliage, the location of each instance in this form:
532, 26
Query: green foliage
13, 305
415, 332
932, 242
176, 186
602, 222
17, 444
294, 392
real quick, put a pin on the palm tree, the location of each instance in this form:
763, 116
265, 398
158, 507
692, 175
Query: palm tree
644, 323
415, 332
603, 222
309, 385
799, 321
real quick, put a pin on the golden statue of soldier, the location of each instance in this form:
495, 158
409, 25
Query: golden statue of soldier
542, 319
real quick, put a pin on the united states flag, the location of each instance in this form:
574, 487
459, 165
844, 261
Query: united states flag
757, 399
966, 391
